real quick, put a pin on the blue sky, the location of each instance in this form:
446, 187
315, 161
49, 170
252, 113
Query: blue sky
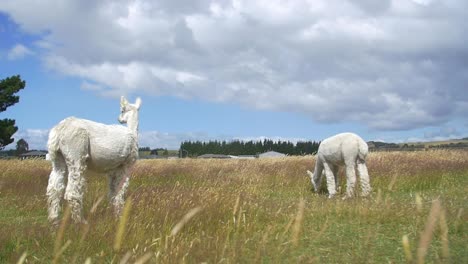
393, 71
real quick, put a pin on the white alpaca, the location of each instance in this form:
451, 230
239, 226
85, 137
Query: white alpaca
346, 149
76, 145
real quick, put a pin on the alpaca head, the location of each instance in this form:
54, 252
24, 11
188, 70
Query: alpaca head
311, 175
129, 112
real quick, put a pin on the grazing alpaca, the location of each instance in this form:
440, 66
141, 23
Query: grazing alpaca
76, 145
346, 149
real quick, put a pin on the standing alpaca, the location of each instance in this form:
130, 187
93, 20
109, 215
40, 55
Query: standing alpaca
76, 145
346, 149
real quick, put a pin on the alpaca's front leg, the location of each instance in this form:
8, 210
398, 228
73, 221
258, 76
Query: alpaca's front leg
336, 169
118, 184
330, 180
350, 180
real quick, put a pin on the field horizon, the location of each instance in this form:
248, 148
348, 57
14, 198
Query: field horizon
243, 211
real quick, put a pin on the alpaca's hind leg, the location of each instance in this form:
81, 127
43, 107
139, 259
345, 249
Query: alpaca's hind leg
364, 178
335, 170
350, 179
76, 153
118, 184
75, 189
55, 187
330, 180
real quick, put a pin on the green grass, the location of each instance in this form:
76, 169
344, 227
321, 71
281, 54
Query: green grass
250, 211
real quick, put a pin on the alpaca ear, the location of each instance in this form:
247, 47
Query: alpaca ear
123, 101
138, 103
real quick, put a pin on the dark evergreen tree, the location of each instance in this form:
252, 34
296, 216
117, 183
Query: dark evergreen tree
144, 149
7, 130
8, 88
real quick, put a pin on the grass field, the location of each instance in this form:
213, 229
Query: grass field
246, 211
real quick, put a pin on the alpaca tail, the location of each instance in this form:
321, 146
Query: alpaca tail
52, 144
363, 150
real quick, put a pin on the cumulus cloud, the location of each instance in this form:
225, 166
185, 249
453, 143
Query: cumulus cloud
442, 134
390, 65
18, 51
157, 139
88, 86
36, 138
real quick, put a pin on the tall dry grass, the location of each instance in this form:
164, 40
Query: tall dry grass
232, 211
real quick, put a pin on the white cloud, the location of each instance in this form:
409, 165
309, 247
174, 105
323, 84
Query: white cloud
423, 2
442, 134
36, 138
19, 51
391, 65
157, 139
91, 86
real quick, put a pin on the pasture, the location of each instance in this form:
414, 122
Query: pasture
246, 211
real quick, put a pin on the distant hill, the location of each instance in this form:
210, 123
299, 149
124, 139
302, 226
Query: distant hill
438, 143
446, 144
378, 144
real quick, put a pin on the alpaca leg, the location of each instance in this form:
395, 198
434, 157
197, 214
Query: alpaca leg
75, 149
317, 176
75, 189
330, 180
56, 187
335, 170
364, 178
118, 184
351, 179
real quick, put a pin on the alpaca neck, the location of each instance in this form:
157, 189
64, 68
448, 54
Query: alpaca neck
132, 124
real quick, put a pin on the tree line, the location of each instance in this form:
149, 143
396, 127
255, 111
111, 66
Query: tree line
156, 151
237, 147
